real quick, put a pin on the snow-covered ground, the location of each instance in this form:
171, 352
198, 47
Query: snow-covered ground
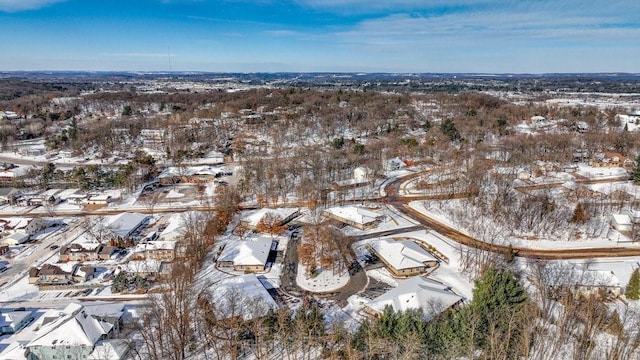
325, 281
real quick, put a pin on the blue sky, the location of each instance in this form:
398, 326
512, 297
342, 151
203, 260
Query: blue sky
505, 36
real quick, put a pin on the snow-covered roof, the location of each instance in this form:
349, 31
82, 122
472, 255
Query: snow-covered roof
247, 252
111, 349
174, 228
418, 292
16, 238
13, 318
16, 222
14, 351
621, 219
101, 309
71, 327
354, 214
403, 254
18, 171
579, 276
243, 296
190, 171
49, 193
253, 217
172, 194
65, 194
125, 223
155, 245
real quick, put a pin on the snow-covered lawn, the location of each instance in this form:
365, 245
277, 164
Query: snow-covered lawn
325, 281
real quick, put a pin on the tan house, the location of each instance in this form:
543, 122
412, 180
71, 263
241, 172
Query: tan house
611, 159
247, 255
585, 282
355, 216
156, 250
52, 275
418, 292
76, 252
403, 258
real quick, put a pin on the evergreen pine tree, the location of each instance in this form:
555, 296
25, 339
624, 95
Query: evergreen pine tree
633, 288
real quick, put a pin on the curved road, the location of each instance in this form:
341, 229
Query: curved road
400, 203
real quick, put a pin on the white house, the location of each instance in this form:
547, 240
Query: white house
355, 216
12, 321
20, 229
246, 255
67, 334
125, 224
621, 222
242, 296
585, 281
403, 258
416, 293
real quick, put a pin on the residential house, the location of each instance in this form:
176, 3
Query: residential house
585, 282
110, 349
12, 321
20, 230
13, 173
83, 273
68, 334
77, 199
76, 252
403, 258
4, 249
610, 159
105, 252
418, 292
27, 226
64, 275
355, 216
100, 199
246, 255
8, 195
125, 225
190, 175
242, 296
50, 274
156, 250
253, 218
621, 222
16, 239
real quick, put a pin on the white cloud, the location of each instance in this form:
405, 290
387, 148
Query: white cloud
20, 5
525, 37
